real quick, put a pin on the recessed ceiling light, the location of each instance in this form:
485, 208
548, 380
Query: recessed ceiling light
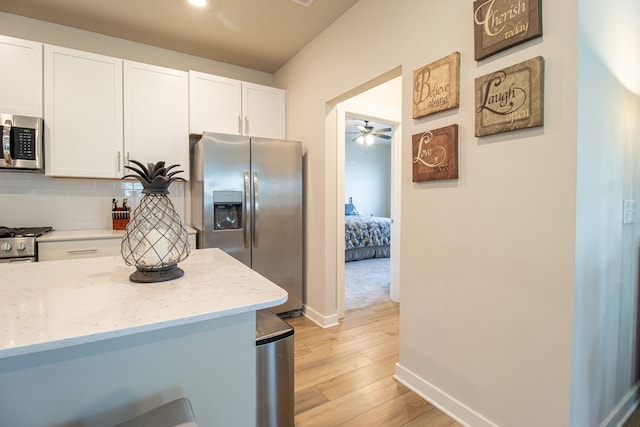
306, 3
198, 3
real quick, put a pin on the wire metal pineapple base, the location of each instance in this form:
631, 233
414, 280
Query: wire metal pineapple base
142, 275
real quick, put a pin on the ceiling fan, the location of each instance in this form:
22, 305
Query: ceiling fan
367, 133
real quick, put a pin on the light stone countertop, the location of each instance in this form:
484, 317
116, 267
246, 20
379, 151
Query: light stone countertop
64, 235
56, 304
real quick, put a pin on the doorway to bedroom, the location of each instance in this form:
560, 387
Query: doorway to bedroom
368, 188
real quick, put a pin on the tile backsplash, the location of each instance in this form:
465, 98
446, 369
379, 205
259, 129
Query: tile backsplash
35, 200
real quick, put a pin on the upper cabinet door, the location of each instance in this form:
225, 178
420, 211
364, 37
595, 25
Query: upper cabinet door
220, 104
264, 111
156, 115
215, 104
20, 77
82, 114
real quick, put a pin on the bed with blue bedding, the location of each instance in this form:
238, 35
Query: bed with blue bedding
366, 237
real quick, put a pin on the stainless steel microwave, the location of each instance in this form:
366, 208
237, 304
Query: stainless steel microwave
22, 147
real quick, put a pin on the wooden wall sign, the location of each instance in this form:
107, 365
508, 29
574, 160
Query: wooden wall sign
435, 154
501, 24
436, 87
511, 98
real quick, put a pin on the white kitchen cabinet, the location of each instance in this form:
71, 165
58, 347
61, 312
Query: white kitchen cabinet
264, 110
156, 115
220, 104
74, 244
215, 104
74, 249
20, 77
82, 114
102, 111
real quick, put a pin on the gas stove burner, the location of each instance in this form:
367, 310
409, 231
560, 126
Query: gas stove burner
6, 232
24, 232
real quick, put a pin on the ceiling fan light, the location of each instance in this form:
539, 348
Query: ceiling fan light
368, 139
360, 139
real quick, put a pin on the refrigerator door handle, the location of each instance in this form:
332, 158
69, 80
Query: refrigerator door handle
256, 209
247, 209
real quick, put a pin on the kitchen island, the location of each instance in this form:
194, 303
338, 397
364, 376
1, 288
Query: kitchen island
82, 345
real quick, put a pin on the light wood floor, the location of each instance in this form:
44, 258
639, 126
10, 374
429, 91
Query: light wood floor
634, 419
343, 375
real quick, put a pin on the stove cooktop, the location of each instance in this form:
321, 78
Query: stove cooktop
24, 232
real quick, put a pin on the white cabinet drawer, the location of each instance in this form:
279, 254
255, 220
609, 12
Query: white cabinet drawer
52, 251
86, 248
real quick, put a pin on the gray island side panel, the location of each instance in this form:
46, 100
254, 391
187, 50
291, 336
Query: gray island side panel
79, 343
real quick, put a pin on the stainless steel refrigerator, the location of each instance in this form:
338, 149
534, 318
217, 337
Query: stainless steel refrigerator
246, 197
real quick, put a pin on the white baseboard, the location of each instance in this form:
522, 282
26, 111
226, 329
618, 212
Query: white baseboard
466, 416
447, 404
623, 409
320, 320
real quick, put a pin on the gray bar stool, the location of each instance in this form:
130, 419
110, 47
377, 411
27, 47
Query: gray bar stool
177, 413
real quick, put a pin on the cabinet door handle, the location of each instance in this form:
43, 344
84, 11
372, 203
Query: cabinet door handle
6, 142
240, 125
82, 251
119, 165
246, 125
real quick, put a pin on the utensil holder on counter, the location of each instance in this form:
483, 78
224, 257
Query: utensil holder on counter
120, 218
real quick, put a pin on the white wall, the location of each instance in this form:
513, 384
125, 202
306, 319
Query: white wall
367, 177
487, 260
605, 357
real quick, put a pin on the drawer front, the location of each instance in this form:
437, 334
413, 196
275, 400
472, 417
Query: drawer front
91, 248
52, 251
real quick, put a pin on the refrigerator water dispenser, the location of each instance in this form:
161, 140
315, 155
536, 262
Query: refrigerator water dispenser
227, 210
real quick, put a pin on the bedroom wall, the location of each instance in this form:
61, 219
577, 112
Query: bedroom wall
368, 177
487, 261
383, 104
